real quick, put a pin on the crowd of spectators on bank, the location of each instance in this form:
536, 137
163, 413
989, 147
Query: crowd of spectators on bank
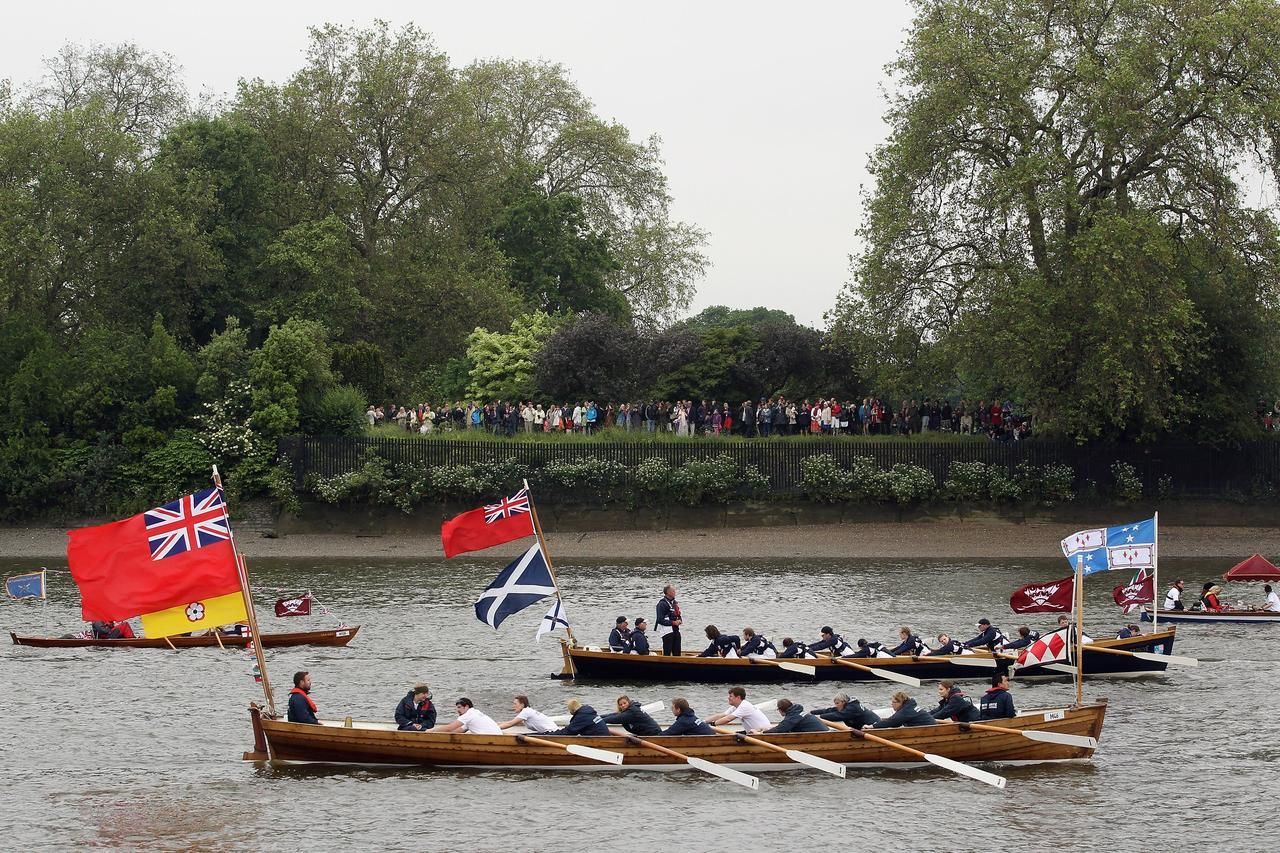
998, 420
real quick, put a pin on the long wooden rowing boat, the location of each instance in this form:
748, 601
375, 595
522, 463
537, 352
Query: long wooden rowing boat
582, 663
1237, 617
334, 742
327, 637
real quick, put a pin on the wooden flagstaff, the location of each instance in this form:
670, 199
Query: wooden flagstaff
243, 571
1077, 643
1155, 573
542, 546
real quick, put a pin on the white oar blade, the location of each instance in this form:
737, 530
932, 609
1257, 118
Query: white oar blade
1060, 667
653, 707
796, 667
723, 772
894, 676
1063, 739
1175, 659
965, 770
969, 660
594, 754
817, 762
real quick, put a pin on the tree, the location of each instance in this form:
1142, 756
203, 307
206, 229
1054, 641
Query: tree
1058, 181
289, 374
594, 356
503, 363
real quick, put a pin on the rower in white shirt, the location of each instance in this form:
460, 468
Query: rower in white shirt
1273, 600
753, 719
531, 718
471, 720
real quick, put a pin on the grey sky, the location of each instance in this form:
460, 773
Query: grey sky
767, 116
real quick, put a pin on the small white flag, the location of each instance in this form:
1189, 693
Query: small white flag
554, 619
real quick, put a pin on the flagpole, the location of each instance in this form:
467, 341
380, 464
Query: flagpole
542, 546
1155, 572
1079, 602
243, 571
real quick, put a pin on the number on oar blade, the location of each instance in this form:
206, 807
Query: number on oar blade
817, 762
724, 772
1176, 659
594, 754
965, 770
886, 674
804, 669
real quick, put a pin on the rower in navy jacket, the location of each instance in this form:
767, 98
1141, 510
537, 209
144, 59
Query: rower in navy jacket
848, 711
989, 636
633, 718
1128, 631
954, 705
584, 722
910, 645
639, 639
756, 644
869, 649
794, 719
620, 636
831, 641
794, 649
997, 702
721, 644
1025, 638
668, 619
687, 722
946, 646
905, 713
416, 711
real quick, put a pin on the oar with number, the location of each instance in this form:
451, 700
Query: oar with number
735, 776
886, 674
602, 755
817, 762
938, 760
1032, 734
1151, 656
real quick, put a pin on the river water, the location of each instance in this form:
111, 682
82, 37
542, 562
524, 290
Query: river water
141, 749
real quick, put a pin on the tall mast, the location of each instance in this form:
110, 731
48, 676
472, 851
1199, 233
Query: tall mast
1155, 572
1079, 644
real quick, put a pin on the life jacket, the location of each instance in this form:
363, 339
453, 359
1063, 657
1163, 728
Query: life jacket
311, 702
125, 629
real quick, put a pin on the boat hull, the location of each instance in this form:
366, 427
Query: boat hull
1230, 617
374, 744
612, 666
328, 637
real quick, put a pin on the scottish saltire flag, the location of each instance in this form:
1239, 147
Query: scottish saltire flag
188, 523
25, 586
520, 584
553, 621
1131, 546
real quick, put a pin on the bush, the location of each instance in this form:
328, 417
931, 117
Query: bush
871, 483
339, 411
697, 481
966, 481
1127, 483
1004, 488
583, 479
909, 484
651, 479
822, 479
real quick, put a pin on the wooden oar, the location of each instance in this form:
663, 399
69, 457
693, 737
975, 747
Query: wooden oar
602, 755
1179, 659
702, 764
1032, 734
817, 762
802, 668
652, 707
881, 673
938, 760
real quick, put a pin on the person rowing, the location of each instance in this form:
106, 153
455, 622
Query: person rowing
946, 646
989, 636
471, 720
905, 713
633, 718
722, 645
848, 711
687, 722
794, 719
756, 645
1025, 638
997, 702
1130, 630
870, 649
954, 705
585, 722
751, 717
831, 642
910, 643
1064, 621
795, 649
531, 718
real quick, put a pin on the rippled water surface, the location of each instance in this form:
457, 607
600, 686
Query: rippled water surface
141, 748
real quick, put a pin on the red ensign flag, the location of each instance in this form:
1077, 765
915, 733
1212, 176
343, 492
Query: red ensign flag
490, 525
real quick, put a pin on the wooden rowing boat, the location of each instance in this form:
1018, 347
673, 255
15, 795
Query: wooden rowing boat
327, 637
362, 743
582, 663
1233, 617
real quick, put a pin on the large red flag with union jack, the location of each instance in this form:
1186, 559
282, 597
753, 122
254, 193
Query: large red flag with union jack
508, 519
168, 556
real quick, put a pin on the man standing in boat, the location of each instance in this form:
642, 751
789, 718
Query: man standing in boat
668, 619
302, 708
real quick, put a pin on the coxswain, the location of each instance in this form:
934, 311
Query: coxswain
471, 720
687, 722
632, 717
585, 722
989, 636
751, 717
1209, 597
997, 702
831, 642
1025, 638
302, 708
668, 621
848, 711
1064, 621
905, 713
910, 644
532, 719
639, 639
756, 645
1273, 600
794, 719
946, 646
869, 649
620, 636
416, 711
1173, 598
722, 645
1130, 630
954, 705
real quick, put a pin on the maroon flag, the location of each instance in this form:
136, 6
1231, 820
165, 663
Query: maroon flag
300, 606
1051, 597
1141, 590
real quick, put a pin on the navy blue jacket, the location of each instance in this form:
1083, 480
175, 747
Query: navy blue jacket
910, 646
956, 706
634, 720
853, 714
666, 612
796, 720
689, 724
907, 715
720, 646
795, 650
988, 637
870, 650
585, 721
1124, 634
408, 712
997, 703
639, 643
757, 645
836, 644
1022, 642
300, 711
619, 642
951, 648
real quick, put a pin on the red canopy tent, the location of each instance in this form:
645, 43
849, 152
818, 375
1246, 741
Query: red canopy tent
1256, 568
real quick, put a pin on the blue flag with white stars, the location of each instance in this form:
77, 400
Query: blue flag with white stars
1129, 546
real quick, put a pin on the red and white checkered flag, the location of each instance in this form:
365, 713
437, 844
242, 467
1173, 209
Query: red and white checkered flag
1047, 649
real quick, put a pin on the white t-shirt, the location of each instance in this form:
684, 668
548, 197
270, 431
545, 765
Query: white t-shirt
478, 723
1172, 597
536, 721
1273, 602
751, 716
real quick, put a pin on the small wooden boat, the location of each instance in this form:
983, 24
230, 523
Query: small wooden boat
362, 743
1237, 617
327, 637
583, 663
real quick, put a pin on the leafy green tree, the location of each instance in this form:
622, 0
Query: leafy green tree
594, 356
289, 373
1057, 180
503, 363
363, 366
